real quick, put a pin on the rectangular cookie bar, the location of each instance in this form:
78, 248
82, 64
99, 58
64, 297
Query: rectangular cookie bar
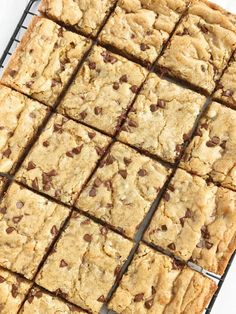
154, 283
211, 153
62, 159
103, 90
226, 89
84, 264
45, 60
201, 46
196, 221
20, 119
123, 188
13, 290
140, 28
84, 16
162, 118
28, 224
44, 303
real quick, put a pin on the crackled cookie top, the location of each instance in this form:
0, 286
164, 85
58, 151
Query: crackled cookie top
211, 153
45, 60
162, 118
226, 89
40, 302
85, 16
141, 28
84, 264
103, 90
63, 158
20, 118
13, 290
28, 225
196, 221
154, 283
123, 188
206, 39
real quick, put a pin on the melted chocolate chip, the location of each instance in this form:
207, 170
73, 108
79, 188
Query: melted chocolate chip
142, 172
144, 47
31, 165
116, 86
164, 228
148, 304
77, 150
14, 291
54, 230
19, 204
213, 142
101, 299
2, 279
138, 297
134, 89
171, 246
92, 192
153, 108
123, 173
87, 238
83, 115
92, 65
63, 263
7, 153
12, 73
45, 143
98, 110
91, 135
17, 219
123, 79
97, 182
127, 161
166, 196
104, 231
10, 230
161, 103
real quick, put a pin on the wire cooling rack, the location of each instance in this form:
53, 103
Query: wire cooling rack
20, 29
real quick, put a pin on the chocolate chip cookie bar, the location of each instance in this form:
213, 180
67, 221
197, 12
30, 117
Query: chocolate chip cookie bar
196, 221
226, 89
20, 119
155, 283
62, 159
141, 28
13, 290
123, 188
84, 16
84, 264
28, 225
40, 302
45, 60
201, 46
211, 153
162, 118
103, 90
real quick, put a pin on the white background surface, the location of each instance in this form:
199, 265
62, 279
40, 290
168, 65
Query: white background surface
10, 12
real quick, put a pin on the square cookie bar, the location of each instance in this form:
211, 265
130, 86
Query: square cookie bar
162, 118
196, 221
13, 290
20, 119
62, 159
103, 90
85, 16
43, 303
123, 188
140, 28
201, 46
28, 224
226, 89
84, 265
211, 153
154, 283
45, 60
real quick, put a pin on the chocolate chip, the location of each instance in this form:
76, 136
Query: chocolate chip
142, 172
92, 192
54, 230
117, 271
108, 185
99, 151
52, 173
199, 133
83, 114
17, 219
134, 89
208, 245
7, 153
12, 73
60, 32
153, 108
19, 204
92, 65
223, 144
61, 293
204, 126
138, 297
31, 165
3, 210
203, 28
91, 135
184, 32
186, 137
116, 86
228, 93
45, 143
104, 231
148, 304
2, 279
87, 238
97, 182
213, 142
127, 161
101, 299
108, 58
171, 246
63, 263
86, 222
161, 103
123, 173
57, 128
38, 294
171, 188
69, 154
182, 221
188, 213
205, 233
10, 230
30, 299
98, 110
164, 228
178, 148
14, 291
109, 160
177, 264
144, 47
29, 84
77, 150
133, 124
123, 79
166, 196
35, 184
